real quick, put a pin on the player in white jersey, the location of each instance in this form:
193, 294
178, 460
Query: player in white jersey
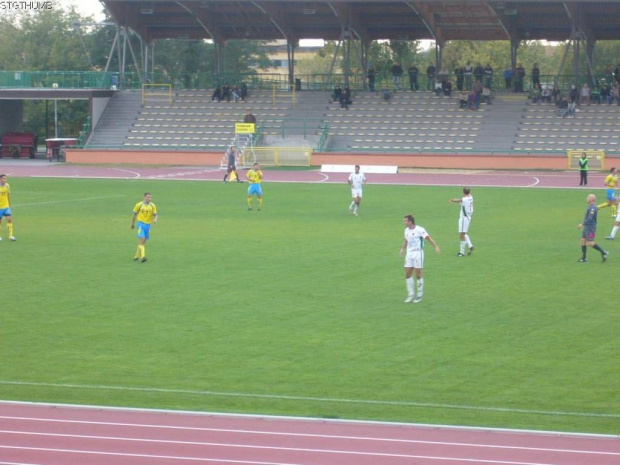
414, 260
465, 214
356, 181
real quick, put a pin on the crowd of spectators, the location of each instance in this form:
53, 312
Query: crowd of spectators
475, 86
225, 92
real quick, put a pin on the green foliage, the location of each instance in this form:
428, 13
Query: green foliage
298, 310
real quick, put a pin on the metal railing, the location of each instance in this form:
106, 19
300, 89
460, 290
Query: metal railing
256, 81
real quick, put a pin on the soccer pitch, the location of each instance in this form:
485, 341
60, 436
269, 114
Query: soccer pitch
298, 309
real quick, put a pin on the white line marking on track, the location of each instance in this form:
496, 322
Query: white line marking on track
267, 433
325, 177
536, 182
291, 449
67, 201
137, 175
18, 463
169, 457
315, 399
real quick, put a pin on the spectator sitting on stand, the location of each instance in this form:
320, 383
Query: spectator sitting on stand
345, 99
556, 93
614, 94
585, 94
545, 95
535, 93
486, 95
236, 94
463, 100
595, 95
217, 94
226, 92
337, 95
471, 101
446, 86
387, 95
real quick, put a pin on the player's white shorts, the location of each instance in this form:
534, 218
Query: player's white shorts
356, 193
414, 259
464, 224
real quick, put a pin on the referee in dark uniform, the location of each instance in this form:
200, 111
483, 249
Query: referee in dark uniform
588, 228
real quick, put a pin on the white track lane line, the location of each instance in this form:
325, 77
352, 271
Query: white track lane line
277, 434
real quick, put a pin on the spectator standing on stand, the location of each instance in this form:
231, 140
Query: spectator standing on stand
488, 76
397, 72
469, 71
519, 78
430, 75
413, 72
371, 78
535, 75
508, 77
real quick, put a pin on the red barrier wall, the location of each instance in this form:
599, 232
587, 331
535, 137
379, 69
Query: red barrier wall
423, 160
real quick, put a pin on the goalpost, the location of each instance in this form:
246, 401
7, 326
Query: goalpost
279, 156
596, 159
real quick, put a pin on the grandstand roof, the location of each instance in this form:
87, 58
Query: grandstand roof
437, 20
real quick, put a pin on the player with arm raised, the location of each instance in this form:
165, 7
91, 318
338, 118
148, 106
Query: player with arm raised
465, 214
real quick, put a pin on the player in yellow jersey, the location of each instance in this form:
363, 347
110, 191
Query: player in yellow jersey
5, 205
255, 177
611, 182
146, 214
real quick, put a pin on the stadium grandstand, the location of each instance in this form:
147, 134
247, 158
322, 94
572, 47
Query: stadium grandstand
138, 117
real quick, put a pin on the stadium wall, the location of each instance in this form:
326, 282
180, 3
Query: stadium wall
497, 161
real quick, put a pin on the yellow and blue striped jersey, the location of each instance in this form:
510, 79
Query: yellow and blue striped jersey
5, 194
255, 176
611, 180
145, 211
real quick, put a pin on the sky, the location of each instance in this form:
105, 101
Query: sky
85, 7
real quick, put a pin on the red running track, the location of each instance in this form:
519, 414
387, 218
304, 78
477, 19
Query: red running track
489, 178
44, 434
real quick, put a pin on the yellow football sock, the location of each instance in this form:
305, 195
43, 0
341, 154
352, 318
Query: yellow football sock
10, 226
142, 251
249, 202
260, 202
137, 253
614, 210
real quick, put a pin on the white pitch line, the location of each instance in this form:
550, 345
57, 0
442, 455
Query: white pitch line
268, 433
67, 201
314, 399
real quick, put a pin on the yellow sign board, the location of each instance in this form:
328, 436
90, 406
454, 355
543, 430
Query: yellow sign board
245, 128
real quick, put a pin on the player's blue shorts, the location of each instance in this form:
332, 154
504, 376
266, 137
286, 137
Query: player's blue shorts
144, 230
611, 194
5, 212
255, 189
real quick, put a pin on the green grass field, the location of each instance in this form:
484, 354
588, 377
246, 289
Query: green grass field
298, 309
